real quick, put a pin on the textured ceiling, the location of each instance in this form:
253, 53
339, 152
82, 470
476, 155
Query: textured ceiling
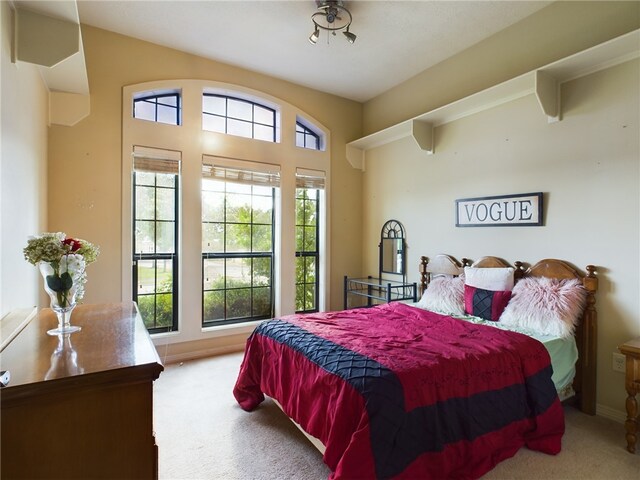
396, 39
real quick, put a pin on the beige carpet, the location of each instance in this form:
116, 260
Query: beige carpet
203, 434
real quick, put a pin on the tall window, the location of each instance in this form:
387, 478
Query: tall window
155, 241
306, 138
237, 244
164, 108
239, 117
308, 187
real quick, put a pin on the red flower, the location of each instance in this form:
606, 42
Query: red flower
74, 245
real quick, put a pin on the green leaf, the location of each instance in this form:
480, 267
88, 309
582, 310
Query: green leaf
59, 283
54, 282
67, 281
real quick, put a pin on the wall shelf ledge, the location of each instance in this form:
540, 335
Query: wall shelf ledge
544, 83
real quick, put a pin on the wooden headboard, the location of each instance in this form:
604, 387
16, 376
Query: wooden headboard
586, 334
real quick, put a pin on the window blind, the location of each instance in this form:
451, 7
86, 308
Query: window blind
156, 160
260, 174
310, 178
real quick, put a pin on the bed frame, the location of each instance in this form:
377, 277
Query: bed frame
584, 383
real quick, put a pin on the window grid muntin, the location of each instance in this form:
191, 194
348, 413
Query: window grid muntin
152, 326
310, 139
250, 255
303, 255
253, 122
156, 100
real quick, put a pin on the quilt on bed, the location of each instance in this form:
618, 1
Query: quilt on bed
399, 392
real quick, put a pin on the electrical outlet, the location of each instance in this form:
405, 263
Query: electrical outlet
619, 362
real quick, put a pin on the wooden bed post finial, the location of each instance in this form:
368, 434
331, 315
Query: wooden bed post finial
424, 277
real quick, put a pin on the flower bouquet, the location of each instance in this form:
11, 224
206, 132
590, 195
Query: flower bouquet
62, 262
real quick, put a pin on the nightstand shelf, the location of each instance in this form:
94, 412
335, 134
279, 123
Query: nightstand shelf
378, 290
631, 350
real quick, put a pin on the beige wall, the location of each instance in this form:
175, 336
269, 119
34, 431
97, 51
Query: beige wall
587, 165
88, 155
23, 170
557, 31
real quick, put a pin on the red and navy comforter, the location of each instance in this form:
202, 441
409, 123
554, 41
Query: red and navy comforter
399, 392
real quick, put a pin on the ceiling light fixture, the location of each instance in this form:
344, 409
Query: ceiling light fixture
332, 16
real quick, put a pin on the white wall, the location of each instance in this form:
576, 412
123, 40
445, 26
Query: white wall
587, 165
23, 172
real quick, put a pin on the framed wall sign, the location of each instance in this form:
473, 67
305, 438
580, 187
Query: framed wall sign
519, 210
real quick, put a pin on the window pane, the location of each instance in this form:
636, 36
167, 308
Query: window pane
171, 100
310, 212
299, 139
213, 271
167, 115
146, 305
165, 180
210, 185
164, 275
309, 239
145, 237
238, 208
262, 211
239, 128
146, 276
238, 237
164, 310
260, 132
263, 115
213, 305
212, 237
262, 305
310, 263
145, 178
262, 238
145, 203
212, 206
239, 303
165, 204
144, 110
310, 297
240, 110
261, 272
165, 237
213, 124
299, 239
238, 272
215, 105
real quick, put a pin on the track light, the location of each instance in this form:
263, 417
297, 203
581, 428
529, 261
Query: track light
332, 16
350, 36
314, 36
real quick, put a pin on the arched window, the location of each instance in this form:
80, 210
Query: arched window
239, 117
306, 138
161, 108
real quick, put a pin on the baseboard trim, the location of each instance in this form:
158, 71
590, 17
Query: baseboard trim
611, 413
206, 352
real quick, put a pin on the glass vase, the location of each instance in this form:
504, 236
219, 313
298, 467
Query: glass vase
63, 301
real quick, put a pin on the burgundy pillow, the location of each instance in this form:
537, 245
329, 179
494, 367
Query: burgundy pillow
487, 304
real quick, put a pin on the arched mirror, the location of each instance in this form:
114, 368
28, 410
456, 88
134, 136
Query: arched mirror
392, 248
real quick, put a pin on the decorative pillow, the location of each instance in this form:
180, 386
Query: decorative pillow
489, 278
487, 304
546, 305
444, 295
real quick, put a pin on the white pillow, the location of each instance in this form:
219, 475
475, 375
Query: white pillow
545, 305
496, 279
444, 295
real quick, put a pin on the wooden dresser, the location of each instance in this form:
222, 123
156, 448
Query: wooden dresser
80, 405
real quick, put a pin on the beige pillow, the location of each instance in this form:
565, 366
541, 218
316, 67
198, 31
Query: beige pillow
496, 279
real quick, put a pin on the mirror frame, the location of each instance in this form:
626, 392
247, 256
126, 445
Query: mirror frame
392, 230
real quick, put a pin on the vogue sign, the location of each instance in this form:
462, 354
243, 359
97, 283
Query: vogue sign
521, 210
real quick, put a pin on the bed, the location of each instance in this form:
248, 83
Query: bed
400, 391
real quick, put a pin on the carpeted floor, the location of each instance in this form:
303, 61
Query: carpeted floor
203, 434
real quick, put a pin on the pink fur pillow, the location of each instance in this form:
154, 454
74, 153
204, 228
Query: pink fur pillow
444, 295
545, 305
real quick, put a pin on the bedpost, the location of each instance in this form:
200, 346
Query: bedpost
588, 342
424, 276
519, 270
